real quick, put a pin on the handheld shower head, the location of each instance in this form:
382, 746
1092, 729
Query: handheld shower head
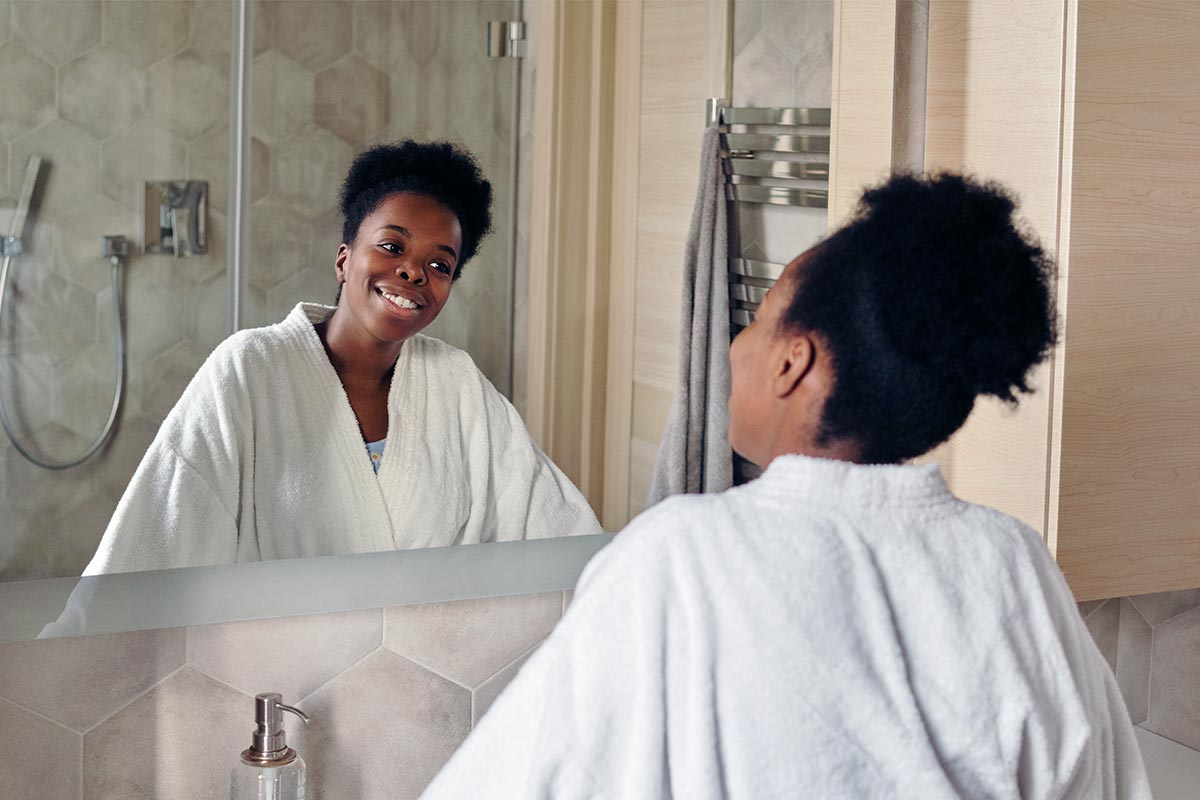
33, 170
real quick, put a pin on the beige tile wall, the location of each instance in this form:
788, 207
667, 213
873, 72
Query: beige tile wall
112, 93
152, 714
1152, 642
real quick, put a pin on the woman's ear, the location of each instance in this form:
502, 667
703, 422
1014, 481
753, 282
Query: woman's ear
797, 354
339, 263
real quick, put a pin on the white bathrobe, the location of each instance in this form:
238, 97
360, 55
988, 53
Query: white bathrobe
827, 631
262, 458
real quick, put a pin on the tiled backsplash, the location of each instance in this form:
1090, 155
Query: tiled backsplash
1152, 642
154, 714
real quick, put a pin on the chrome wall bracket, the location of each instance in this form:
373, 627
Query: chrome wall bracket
506, 39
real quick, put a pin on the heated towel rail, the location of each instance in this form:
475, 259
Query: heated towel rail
776, 156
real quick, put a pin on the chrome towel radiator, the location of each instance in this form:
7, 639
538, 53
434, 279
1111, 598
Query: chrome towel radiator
776, 156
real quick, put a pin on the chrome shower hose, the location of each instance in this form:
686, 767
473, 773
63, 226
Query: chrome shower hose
119, 364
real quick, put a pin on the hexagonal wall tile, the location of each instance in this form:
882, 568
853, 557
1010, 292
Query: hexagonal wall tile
206, 312
35, 754
54, 318
76, 535
314, 285
154, 313
1133, 661
308, 170
101, 92
86, 394
5, 16
283, 96
73, 157
1174, 707
25, 544
32, 488
279, 243
352, 99
326, 235
178, 740
208, 159
803, 32
28, 389
469, 641
4, 172
486, 694
122, 457
424, 718
762, 74
144, 152
146, 30
188, 95
1159, 607
77, 241
26, 93
315, 33
167, 375
293, 656
210, 30
378, 25
58, 29
79, 681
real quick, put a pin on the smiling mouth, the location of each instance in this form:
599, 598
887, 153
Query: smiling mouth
400, 302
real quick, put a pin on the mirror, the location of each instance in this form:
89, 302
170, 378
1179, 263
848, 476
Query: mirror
326, 80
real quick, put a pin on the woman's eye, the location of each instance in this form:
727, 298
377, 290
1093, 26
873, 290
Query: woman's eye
442, 266
391, 247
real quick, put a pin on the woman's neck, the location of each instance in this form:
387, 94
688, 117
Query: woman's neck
355, 354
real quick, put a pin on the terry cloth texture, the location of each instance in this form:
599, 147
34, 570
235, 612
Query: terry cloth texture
828, 630
695, 456
262, 458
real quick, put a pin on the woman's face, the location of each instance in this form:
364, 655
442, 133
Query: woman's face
398, 271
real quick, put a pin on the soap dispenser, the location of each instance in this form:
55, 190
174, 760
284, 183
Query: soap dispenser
269, 769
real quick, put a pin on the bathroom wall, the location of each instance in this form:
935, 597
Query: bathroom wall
782, 56
112, 93
1152, 642
391, 693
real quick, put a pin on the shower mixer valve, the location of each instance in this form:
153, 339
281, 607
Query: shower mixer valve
175, 217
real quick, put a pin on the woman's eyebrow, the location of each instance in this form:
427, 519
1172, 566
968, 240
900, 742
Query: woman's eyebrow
405, 232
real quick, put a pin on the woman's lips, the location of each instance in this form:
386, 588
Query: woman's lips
399, 302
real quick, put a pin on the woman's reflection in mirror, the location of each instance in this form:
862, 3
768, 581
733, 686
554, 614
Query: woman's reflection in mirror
843, 626
343, 429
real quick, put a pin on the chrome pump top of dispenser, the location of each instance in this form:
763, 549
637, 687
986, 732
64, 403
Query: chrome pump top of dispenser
269, 745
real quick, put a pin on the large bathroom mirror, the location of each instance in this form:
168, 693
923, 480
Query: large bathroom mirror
117, 95
325, 79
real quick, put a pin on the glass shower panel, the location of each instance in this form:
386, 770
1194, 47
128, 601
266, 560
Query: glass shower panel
332, 77
109, 94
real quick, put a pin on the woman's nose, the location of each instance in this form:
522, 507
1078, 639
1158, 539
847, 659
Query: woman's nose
411, 272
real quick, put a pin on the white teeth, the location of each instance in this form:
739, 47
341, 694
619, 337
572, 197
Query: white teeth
397, 300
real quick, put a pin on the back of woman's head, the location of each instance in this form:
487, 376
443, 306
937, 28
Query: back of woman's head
931, 296
439, 170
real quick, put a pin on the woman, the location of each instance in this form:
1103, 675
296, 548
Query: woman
344, 430
842, 627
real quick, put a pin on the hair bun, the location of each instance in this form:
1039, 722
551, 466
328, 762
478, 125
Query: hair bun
965, 286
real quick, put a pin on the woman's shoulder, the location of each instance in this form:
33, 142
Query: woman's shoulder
265, 346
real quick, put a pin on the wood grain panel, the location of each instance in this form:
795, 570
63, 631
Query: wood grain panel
988, 118
864, 57
1130, 496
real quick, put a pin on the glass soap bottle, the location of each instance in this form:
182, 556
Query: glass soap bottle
269, 769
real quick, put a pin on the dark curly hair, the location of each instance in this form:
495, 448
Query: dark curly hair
440, 170
930, 296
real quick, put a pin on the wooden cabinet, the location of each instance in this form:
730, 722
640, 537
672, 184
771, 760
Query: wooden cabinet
1090, 111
